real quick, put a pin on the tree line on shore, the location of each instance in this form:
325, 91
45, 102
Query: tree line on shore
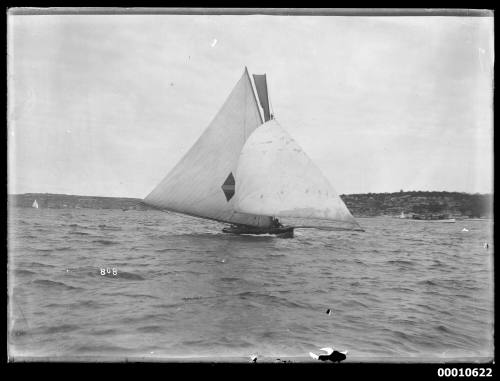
365, 204
452, 204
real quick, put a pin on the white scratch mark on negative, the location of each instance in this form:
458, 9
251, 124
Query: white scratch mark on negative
481, 57
214, 42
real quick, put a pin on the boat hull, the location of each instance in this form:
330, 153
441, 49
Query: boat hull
451, 220
281, 232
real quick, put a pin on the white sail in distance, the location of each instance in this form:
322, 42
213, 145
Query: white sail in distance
202, 184
276, 178
35, 205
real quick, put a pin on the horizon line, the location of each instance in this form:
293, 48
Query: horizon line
340, 194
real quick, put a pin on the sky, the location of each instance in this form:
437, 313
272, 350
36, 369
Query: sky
106, 105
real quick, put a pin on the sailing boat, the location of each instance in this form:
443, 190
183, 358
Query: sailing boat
246, 170
35, 204
402, 215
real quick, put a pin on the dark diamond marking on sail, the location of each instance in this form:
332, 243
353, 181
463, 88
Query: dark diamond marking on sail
228, 187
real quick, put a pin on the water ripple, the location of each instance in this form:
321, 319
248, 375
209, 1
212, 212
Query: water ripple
399, 289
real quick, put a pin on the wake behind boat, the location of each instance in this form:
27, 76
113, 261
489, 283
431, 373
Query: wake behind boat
246, 170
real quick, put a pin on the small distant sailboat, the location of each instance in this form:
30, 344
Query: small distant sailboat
402, 215
438, 219
35, 205
246, 170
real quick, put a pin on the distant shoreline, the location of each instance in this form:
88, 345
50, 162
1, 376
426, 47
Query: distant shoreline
451, 204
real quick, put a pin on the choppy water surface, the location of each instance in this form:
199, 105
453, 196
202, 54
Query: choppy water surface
184, 289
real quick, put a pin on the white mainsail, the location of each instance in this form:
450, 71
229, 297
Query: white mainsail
202, 183
276, 178
35, 204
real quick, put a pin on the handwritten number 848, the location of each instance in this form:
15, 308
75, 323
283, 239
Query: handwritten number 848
109, 271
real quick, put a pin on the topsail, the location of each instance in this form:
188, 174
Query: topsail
261, 87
